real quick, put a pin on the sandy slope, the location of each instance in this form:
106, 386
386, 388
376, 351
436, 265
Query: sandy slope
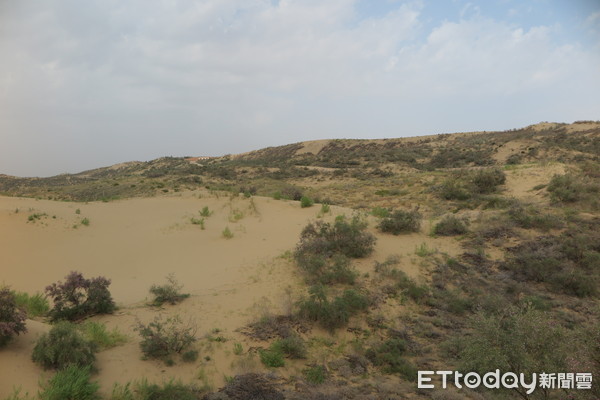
136, 243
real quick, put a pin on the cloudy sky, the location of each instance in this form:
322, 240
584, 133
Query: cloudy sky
88, 84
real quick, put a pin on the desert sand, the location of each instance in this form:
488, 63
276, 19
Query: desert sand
137, 242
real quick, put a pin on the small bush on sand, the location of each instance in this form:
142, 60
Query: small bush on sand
272, 358
320, 269
531, 218
72, 383
170, 292
487, 180
62, 347
450, 226
227, 234
292, 346
401, 221
345, 237
78, 297
306, 201
162, 339
12, 318
205, 212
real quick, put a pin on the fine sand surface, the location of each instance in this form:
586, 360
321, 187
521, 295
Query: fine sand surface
137, 242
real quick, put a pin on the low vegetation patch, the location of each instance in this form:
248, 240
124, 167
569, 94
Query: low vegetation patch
100, 336
34, 305
72, 383
401, 221
170, 292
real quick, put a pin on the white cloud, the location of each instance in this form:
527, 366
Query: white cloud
120, 80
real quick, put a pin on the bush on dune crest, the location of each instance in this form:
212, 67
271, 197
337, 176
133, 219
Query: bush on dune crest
12, 318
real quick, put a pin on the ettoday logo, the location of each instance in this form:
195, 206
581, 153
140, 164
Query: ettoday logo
508, 380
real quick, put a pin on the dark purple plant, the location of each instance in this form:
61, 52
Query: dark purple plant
12, 318
79, 297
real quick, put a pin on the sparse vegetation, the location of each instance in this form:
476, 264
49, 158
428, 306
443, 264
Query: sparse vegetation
170, 292
306, 201
331, 313
161, 339
100, 336
205, 212
450, 226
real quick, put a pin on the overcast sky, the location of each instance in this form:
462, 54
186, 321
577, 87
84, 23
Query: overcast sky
91, 83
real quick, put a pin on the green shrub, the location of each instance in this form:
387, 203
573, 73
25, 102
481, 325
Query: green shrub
64, 346
401, 221
79, 297
72, 383
344, 237
12, 317
172, 390
315, 375
306, 201
488, 180
531, 218
190, 356
292, 346
454, 189
389, 355
518, 339
35, 306
168, 293
102, 338
331, 314
402, 283
85, 221
570, 188
162, 339
237, 349
380, 212
450, 226
272, 358
320, 269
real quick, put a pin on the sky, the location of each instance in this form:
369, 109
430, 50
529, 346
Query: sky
94, 83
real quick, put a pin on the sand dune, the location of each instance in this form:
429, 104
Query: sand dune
136, 243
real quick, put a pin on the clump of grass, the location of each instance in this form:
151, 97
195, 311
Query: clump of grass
227, 234
78, 211
331, 313
97, 333
72, 383
36, 216
34, 305
85, 222
197, 221
235, 215
237, 349
170, 292
380, 212
423, 250
292, 346
205, 212
389, 355
272, 358
306, 202
315, 375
